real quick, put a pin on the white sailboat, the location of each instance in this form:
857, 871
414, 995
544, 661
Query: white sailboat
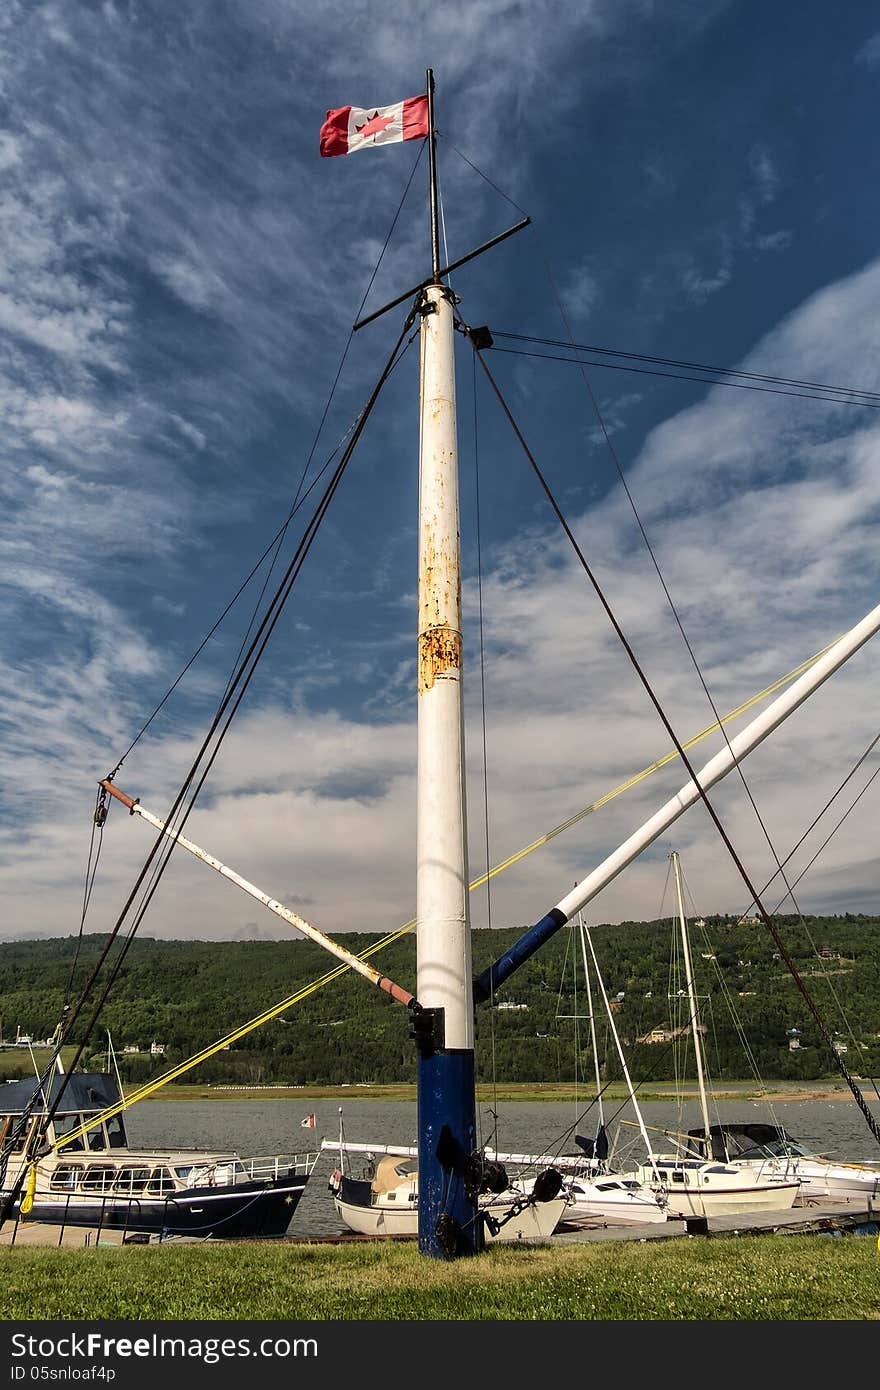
770, 1149
384, 1200
698, 1187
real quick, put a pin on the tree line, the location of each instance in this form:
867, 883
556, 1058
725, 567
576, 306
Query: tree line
186, 995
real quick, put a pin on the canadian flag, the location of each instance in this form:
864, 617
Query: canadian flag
355, 127
309, 1122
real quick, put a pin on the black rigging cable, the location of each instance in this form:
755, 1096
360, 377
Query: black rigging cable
857, 1095
677, 376
571, 346
228, 707
840, 395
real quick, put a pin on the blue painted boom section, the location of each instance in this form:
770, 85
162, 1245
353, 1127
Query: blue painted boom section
494, 976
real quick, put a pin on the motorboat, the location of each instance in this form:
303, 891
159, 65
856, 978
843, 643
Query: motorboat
90, 1176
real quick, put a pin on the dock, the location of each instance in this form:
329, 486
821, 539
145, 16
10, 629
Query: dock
832, 1218
828, 1218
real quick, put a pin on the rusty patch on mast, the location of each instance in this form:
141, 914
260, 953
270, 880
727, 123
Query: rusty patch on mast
439, 652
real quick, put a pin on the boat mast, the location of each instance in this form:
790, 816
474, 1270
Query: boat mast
444, 1026
692, 1001
621, 1057
583, 941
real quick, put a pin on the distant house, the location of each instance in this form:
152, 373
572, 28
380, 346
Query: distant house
157, 1049
665, 1035
130, 1049
509, 1004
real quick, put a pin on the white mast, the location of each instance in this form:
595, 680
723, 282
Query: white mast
444, 965
622, 1059
583, 940
448, 1219
692, 1000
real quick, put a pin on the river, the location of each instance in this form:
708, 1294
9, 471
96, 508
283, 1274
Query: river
254, 1127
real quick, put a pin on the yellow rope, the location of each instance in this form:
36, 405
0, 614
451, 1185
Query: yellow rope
182, 1067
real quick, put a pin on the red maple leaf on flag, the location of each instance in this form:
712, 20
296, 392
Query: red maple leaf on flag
375, 125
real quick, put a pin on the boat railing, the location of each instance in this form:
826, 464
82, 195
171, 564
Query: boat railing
275, 1166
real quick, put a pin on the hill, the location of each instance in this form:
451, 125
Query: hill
184, 995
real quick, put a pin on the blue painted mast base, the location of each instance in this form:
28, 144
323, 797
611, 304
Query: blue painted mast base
449, 1220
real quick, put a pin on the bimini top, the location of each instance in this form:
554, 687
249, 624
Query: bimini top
86, 1092
751, 1140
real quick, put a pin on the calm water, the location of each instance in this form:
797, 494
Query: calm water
254, 1127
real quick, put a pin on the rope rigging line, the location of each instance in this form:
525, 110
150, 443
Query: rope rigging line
677, 376
483, 731
870, 397
672, 605
242, 679
570, 346
229, 707
497, 869
857, 1095
180, 1069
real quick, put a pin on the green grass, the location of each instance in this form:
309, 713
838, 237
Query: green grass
732, 1278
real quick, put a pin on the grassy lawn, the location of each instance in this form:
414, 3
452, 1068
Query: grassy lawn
777, 1278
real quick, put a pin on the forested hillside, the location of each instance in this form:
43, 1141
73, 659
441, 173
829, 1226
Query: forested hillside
187, 994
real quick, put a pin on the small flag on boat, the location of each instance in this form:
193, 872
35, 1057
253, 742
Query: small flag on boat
309, 1122
353, 128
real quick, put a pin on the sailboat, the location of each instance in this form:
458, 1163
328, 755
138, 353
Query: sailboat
700, 1187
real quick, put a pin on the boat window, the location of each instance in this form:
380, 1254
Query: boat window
63, 1125
4, 1127
184, 1172
66, 1177
161, 1182
95, 1138
116, 1133
98, 1177
131, 1180
19, 1143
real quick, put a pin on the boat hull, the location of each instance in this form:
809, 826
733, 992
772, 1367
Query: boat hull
836, 1182
537, 1221
711, 1189
236, 1210
584, 1211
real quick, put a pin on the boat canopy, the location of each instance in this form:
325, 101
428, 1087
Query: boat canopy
85, 1093
747, 1141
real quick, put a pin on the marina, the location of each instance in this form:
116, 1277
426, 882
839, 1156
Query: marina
452, 1172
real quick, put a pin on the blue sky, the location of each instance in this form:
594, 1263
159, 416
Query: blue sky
179, 272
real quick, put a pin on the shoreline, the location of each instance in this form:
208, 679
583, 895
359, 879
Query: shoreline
509, 1092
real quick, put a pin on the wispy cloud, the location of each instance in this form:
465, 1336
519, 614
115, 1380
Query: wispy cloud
178, 274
